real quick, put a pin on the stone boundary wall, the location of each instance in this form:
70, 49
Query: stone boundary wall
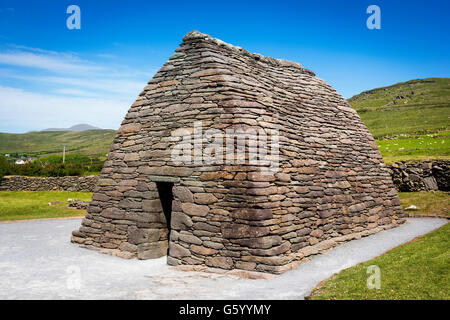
407, 177
68, 183
421, 176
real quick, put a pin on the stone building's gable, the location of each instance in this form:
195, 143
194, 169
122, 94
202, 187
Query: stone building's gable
331, 186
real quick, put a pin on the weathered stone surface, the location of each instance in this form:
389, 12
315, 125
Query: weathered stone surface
262, 191
205, 251
206, 227
271, 261
139, 235
357, 207
211, 176
169, 83
181, 221
260, 176
194, 209
183, 194
240, 231
167, 171
252, 214
283, 177
250, 266
219, 262
152, 205
204, 198
317, 233
177, 251
189, 238
152, 250
113, 213
125, 246
285, 246
131, 157
213, 245
262, 242
421, 176
130, 128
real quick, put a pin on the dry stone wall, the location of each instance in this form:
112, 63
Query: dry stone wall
69, 183
332, 185
421, 176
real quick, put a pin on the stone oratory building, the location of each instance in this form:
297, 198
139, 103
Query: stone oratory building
328, 185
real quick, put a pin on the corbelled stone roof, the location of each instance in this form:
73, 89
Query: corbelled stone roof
196, 35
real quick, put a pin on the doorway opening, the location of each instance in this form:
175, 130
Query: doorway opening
166, 197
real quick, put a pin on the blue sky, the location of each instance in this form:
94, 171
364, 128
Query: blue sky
51, 76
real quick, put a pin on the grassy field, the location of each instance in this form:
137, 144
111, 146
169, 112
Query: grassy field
418, 270
22, 205
428, 202
416, 147
416, 113
43, 143
393, 120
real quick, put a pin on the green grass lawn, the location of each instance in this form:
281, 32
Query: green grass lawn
419, 270
21, 205
91, 173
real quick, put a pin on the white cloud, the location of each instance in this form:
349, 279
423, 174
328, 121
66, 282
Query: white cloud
116, 86
16, 46
61, 89
68, 63
76, 93
27, 110
50, 62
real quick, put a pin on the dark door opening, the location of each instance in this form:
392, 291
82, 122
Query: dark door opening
166, 197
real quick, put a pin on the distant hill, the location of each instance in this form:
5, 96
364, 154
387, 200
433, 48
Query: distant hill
43, 143
77, 127
416, 106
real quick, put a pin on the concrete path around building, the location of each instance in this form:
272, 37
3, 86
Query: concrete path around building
37, 261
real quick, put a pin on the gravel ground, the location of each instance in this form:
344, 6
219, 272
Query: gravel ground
37, 261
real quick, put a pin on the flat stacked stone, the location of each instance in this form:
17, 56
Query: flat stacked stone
411, 176
67, 183
332, 185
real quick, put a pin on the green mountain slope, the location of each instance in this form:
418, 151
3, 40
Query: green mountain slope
410, 120
43, 143
416, 106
